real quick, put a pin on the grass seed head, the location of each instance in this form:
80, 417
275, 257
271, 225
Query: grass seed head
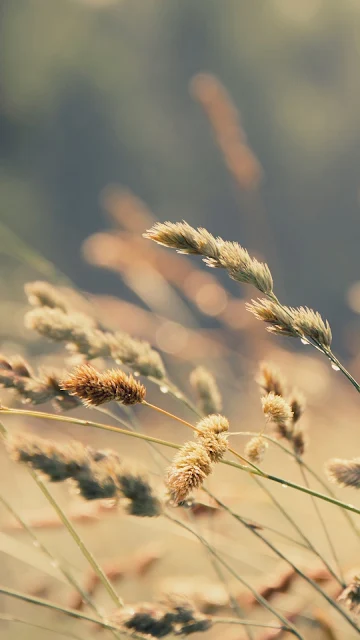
95, 388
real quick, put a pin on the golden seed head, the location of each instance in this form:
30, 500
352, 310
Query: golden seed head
204, 384
215, 251
215, 444
276, 316
215, 423
255, 449
345, 473
95, 388
43, 294
270, 379
276, 408
188, 470
310, 324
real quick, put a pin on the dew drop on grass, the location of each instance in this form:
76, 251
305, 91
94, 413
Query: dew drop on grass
304, 341
164, 389
136, 374
335, 367
284, 486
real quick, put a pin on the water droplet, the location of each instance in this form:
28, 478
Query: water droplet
36, 543
164, 389
136, 374
335, 367
304, 341
284, 485
178, 394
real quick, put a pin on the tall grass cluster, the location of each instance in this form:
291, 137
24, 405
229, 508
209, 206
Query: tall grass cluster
179, 464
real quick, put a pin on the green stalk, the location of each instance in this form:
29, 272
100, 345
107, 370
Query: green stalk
173, 445
289, 626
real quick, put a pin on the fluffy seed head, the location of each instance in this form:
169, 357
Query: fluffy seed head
188, 470
204, 384
310, 323
139, 494
276, 408
58, 462
95, 388
43, 294
214, 423
299, 440
255, 449
215, 444
350, 597
275, 315
160, 620
270, 379
345, 473
297, 403
215, 251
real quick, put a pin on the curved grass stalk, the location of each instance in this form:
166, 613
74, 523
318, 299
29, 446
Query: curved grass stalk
269, 544
69, 577
340, 579
289, 626
72, 613
173, 445
306, 466
74, 534
10, 618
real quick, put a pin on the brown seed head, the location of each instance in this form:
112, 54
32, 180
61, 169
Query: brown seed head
255, 449
95, 388
350, 597
345, 473
136, 488
57, 461
297, 403
299, 440
188, 470
270, 379
204, 384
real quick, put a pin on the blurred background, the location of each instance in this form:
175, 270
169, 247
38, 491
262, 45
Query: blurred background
243, 117
97, 92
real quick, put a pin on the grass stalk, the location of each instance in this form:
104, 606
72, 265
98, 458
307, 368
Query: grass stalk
173, 445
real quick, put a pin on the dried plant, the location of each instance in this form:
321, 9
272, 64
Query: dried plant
95, 388
204, 384
103, 476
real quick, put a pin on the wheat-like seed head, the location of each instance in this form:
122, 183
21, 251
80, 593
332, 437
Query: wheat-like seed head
43, 294
255, 449
215, 251
95, 388
345, 473
270, 379
204, 384
188, 470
